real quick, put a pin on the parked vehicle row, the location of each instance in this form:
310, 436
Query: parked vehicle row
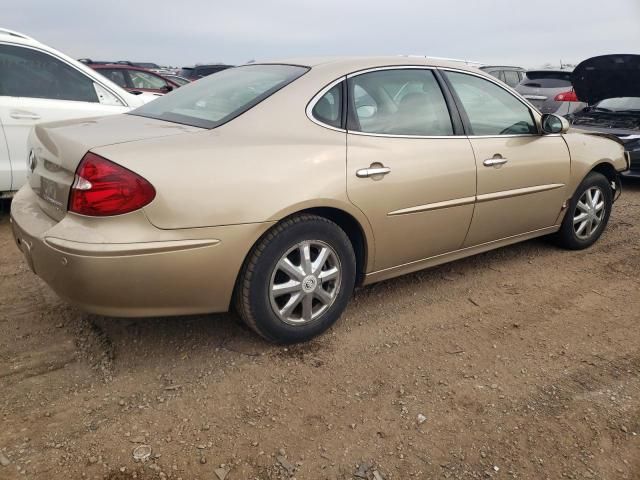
278, 187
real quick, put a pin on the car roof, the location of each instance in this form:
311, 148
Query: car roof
352, 64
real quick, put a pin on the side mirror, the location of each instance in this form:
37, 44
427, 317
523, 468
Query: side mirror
166, 88
552, 123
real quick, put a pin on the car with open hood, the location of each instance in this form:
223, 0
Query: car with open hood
610, 85
278, 187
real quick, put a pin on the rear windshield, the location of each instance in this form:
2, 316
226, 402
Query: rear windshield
217, 99
546, 79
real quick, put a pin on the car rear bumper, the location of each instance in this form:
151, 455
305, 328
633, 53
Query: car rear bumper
187, 274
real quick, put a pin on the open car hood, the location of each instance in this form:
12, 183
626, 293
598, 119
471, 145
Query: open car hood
607, 76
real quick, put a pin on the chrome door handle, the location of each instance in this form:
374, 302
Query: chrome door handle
495, 162
371, 172
22, 115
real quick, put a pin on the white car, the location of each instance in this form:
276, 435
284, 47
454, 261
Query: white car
40, 84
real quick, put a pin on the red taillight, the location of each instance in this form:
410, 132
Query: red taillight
102, 188
569, 96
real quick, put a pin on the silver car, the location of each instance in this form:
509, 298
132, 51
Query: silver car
550, 91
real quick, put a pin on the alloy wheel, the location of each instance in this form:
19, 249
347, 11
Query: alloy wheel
589, 213
305, 282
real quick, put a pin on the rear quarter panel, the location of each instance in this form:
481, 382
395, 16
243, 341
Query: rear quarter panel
268, 163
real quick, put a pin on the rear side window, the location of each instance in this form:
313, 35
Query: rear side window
219, 98
491, 109
25, 72
544, 79
398, 102
328, 109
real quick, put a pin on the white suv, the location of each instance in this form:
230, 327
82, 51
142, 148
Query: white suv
40, 84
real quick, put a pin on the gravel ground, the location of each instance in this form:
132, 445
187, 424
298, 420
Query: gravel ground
519, 363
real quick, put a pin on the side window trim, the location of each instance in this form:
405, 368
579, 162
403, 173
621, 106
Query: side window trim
456, 121
454, 113
322, 93
452, 106
463, 113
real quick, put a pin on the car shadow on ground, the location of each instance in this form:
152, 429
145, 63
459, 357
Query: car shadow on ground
220, 337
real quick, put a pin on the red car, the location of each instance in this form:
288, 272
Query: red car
135, 79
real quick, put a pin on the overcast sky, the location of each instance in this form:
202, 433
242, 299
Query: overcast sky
182, 32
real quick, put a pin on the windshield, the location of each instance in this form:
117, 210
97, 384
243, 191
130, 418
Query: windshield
219, 98
619, 104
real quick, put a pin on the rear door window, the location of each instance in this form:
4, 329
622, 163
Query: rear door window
398, 102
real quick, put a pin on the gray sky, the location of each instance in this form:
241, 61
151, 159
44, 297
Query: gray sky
183, 32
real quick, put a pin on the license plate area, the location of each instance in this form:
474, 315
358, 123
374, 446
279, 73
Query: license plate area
49, 192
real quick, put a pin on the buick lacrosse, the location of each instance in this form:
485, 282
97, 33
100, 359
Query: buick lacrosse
276, 188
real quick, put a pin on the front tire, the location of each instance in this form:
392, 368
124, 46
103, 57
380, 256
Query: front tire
297, 280
588, 213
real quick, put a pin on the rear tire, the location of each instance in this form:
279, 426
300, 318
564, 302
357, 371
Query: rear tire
297, 280
588, 213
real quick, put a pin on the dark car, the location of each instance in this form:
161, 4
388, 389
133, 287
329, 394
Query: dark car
135, 79
550, 91
610, 85
199, 71
512, 76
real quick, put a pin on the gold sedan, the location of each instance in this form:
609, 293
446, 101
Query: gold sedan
279, 187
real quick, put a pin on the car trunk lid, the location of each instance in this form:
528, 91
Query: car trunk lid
57, 148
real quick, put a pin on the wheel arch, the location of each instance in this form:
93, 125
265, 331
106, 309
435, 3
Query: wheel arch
354, 231
607, 169
354, 223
